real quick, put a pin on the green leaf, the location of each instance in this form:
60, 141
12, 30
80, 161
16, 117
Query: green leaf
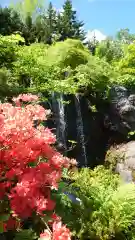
4, 217
32, 164
131, 133
1, 227
62, 186
26, 234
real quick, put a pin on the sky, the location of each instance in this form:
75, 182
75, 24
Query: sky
108, 16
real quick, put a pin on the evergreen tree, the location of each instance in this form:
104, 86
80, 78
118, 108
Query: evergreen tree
68, 26
125, 36
10, 21
29, 8
28, 30
49, 22
45, 26
30, 11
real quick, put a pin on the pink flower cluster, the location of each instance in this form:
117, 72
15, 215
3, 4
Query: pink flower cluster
29, 166
60, 232
25, 98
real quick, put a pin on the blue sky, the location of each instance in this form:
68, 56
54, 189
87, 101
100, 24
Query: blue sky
108, 16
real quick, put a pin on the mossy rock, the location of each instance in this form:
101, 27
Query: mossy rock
114, 156
121, 159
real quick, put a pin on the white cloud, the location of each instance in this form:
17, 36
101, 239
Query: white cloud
99, 36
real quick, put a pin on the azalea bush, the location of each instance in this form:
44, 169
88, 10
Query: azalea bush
30, 170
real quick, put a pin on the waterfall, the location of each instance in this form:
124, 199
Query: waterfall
62, 124
80, 130
59, 112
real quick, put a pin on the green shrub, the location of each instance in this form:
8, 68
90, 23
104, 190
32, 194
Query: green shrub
107, 207
68, 53
8, 87
8, 49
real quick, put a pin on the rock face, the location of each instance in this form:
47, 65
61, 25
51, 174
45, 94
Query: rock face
122, 109
86, 135
123, 159
80, 132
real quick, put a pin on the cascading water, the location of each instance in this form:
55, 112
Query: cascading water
62, 123
80, 130
59, 112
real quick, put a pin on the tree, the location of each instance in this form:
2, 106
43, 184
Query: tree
92, 44
30, 11
10, 21
45, 26
50, 23
110, 50
29, 8
125, 36
127, 64
68, 25
28, 30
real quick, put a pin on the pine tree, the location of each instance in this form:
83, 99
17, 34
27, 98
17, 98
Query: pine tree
28, 30
10, 21
30, 11
67, 23
45, 26
50, 24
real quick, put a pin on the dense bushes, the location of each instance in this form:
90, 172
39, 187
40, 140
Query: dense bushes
106, 209
65, 66
8, 49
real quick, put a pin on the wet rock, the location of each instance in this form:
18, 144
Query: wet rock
122, 106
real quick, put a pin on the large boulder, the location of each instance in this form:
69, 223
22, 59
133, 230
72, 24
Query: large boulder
122, 160
122, 109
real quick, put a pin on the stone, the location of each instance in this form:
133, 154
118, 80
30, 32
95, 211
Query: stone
122, 108
124, 156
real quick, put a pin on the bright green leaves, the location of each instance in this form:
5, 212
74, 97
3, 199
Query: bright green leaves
66, 67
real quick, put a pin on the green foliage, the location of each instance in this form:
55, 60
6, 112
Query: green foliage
25, 235
40, 67
68, 25
107, 206
10, 21
68, 53
125, 36
127, 64
126, 68
8, 49
8, 87
8, 54
63, 67
46, 26
110, 50
96, 75
30, 65
28, 8
4, 217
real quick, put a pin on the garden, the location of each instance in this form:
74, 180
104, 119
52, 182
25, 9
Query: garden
54, 89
